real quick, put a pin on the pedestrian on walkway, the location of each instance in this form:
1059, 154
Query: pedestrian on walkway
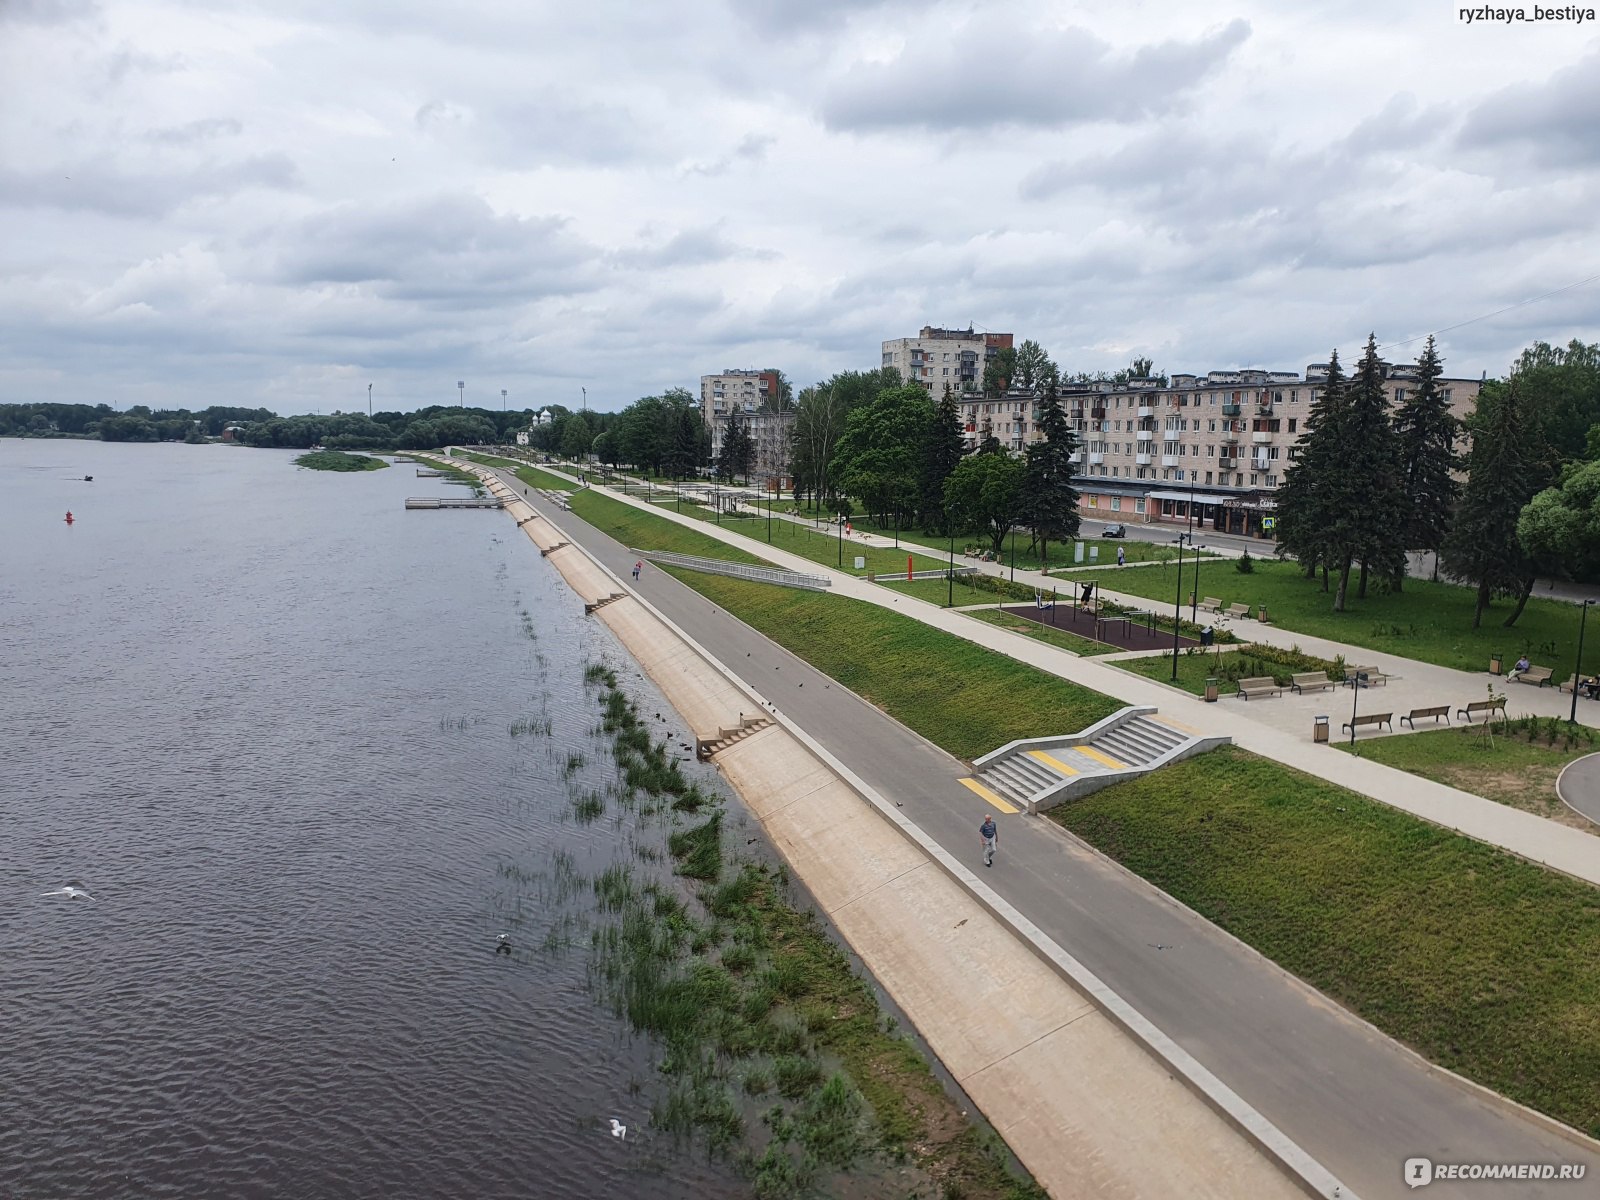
637, 567
991, 839
1122, 557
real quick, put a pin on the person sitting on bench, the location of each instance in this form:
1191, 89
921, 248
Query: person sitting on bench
1590, 687
1522, 664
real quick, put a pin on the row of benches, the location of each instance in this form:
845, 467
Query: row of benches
1213, 605
1311, 681
1487, 707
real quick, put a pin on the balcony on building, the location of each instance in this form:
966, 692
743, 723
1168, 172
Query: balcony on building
1076, 456
1146, 410
1171, 435
1169, 460
1260, 437
1264, 406
1098, 412
1230, 410
1229, 435
1096, 459
1146, 435
1260, 464
1143, 460
1226, 463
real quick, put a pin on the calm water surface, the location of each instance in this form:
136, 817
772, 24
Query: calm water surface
263, 715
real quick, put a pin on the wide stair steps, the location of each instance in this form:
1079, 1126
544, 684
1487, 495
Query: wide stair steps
1041, 772
707, 747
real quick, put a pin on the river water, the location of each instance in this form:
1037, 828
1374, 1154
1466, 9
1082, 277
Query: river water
264, 717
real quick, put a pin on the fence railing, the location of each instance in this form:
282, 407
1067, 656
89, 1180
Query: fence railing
717, 566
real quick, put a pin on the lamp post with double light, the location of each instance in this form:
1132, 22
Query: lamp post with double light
1577, 667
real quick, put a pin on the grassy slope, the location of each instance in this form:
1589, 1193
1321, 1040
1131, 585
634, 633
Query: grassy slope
532, 476
1487, 964
1510, 770
1428, 621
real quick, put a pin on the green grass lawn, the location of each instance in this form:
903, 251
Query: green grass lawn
1487, 964
644, 531
1249, 661
530, 475
1515, 763
1193, 670
967, 589
1428, 621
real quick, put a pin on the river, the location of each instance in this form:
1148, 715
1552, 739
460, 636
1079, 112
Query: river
265, 717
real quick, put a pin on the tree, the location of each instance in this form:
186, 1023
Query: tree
876, 457
941, 451
984, 493
604, 447
1559, 529
1308, 499
999, 370
1031, 362
1050, 502
1482, 547
1373, 481
783, 400
738, 448
819, 423
575, 437
1427, 431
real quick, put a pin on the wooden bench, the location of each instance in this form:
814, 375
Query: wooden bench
1441, 710
1538, 676
1210, 604
1373, 676
1310, 681
1585, 690
1238, 610
1260, 685
1481, 706
1368, 719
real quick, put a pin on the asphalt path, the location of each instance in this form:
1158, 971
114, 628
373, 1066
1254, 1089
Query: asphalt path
1349, 1096
1579, 786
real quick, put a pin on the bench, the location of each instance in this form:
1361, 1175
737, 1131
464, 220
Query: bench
1368, 719
1261, 685
1210, 604
1238, 610
1353, 677
1311, 681
1586, 690
1441, 710
1481, 706
1538, 676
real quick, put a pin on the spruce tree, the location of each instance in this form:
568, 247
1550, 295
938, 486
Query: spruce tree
941, 451
1482, 547
1427, 431
1050, 502
1306, 505
1373, 495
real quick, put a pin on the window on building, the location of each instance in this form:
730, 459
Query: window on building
1294, 395
1294, 453
1444, 394
1114, 472
1399, 395
1138, 505
1208, 476
1116, 504
1253, 479
1272, 481
1291, 424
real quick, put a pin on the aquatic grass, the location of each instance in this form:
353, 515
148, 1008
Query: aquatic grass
589, 807
794, 1075
829, 1123
699, 848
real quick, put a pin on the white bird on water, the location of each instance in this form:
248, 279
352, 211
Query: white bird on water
618, 1129
70, 892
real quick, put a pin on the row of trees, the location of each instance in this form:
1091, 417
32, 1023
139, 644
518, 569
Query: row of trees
1370, 482
138, 424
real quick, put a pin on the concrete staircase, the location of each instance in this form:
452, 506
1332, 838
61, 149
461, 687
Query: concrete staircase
705, 748
1039, 773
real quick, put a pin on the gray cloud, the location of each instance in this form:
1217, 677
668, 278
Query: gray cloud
789, 16
1553, 119
106, 188
985, 74
203, 130
46, 12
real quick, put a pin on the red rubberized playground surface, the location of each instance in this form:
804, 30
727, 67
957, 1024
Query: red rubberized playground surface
1130, 632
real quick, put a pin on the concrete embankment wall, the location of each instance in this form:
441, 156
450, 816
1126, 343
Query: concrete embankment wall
1086, 1108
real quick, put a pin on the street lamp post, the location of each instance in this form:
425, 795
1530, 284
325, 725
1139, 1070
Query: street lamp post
950, 572
502, 399
1577, 667
1355, 694
841, 538
1177, 607
1194, 595
461, 393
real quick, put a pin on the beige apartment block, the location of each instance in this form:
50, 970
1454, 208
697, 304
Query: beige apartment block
756, 397
939, 357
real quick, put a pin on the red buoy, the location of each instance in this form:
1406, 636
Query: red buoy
69, 516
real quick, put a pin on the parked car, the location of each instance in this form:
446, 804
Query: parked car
1115, 531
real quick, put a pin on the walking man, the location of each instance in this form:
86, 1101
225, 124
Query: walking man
1122, 560
637, 567
991, 839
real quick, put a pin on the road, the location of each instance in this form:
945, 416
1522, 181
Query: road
1345, 1093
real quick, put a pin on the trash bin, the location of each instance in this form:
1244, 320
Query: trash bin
1495, 664
1261, 614
1319, 730
1211, 691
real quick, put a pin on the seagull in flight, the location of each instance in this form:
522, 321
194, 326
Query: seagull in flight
71, 893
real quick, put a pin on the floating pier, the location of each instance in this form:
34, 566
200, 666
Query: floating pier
454, 502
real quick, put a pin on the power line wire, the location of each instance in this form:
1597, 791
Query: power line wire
1486, 316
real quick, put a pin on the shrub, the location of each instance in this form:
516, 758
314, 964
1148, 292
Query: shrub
1244, 564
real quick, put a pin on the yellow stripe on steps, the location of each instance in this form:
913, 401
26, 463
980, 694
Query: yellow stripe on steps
1054, 763
992, 797
1099, 756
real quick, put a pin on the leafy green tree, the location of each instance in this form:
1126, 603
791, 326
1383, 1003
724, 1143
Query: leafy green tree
1427, 431
1559, 529
1560, 385
1308, 500
604, 447
1482, 548
738, 448
1050, 502
1031, 363
999, 370
819, 423
876, 458
985, 493
575, 437
941, 451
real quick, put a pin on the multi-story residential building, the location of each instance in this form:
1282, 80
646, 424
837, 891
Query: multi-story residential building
937, 357
1220, 442
757, 397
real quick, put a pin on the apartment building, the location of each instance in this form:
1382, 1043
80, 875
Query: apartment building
1220, 442
937, 357
756, 397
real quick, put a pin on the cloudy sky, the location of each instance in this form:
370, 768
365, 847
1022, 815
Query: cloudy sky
219, 201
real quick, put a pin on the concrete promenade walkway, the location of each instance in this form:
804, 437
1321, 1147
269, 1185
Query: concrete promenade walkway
1352, 1098
1279, 729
